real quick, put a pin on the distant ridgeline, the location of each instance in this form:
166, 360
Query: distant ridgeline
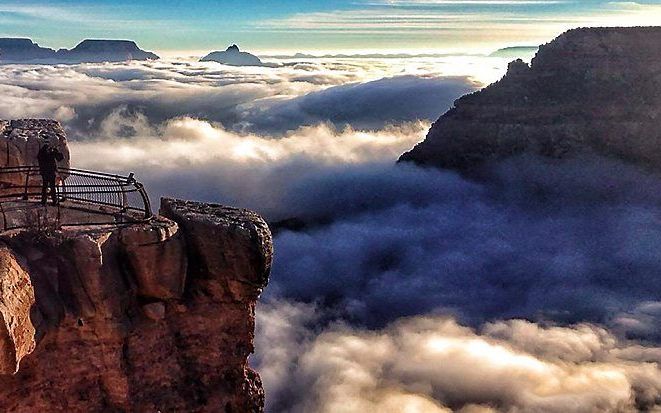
88, 51
592, 90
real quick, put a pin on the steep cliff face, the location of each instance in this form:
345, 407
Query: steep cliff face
155, 316
594, 89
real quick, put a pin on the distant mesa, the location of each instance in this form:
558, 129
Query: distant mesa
516, 52
107, 51
14, 50
23, 50
233, 57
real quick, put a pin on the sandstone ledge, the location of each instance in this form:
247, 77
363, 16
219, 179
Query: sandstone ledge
157, 316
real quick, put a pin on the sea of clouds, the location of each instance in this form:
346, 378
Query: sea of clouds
407, 289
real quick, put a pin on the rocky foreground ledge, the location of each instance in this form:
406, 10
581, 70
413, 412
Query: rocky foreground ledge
156, 316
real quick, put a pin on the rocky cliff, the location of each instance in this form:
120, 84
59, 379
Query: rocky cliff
594, 89
20, 141
156, 316
14, 50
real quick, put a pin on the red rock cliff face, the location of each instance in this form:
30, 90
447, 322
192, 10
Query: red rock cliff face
142, 318
595, 89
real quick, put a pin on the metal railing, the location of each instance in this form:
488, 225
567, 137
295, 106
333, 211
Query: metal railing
122, 197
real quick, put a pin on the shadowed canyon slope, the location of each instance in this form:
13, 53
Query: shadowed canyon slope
156, 315
590, 90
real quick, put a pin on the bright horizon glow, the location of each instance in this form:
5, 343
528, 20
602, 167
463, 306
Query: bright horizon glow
179, 28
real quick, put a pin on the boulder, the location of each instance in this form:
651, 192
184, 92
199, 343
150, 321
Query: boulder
228, 245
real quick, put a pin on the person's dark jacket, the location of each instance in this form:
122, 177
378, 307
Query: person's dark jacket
47, 158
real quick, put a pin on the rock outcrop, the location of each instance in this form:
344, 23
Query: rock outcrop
88, 51
233, 57
20, 141
596, 90
145, 317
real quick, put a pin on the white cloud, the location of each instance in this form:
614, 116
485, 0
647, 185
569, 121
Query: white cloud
82, 96
432, 364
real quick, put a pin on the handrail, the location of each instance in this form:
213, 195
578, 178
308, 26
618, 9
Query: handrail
109, 194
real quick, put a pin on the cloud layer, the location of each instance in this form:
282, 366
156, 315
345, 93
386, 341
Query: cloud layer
567, 241
433, 364
570, 243
267, 100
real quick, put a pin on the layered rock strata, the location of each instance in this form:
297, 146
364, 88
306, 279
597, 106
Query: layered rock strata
147, 317
590, 90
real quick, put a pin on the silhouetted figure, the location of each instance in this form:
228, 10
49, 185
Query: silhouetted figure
48, 157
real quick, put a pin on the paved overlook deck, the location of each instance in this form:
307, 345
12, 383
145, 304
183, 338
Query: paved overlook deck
85, 198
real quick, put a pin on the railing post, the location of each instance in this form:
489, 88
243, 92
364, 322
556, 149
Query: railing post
145, 199
27, 181
86, 189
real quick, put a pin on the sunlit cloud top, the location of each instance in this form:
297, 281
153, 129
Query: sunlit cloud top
291, 25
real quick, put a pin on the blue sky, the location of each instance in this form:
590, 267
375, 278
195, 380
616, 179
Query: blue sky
307, 25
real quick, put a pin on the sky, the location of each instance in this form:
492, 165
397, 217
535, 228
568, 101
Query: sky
308, 25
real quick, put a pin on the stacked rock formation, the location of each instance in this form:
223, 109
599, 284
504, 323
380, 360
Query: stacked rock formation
590, 90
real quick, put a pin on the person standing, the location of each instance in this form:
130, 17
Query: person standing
48, 157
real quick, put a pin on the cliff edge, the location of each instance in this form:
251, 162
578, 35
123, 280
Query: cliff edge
147, 316
590, 90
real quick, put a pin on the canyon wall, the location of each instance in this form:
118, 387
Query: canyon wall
145, 317
590, 90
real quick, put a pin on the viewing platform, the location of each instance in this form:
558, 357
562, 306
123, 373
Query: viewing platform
84, 198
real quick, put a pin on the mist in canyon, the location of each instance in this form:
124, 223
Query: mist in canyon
534, 288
